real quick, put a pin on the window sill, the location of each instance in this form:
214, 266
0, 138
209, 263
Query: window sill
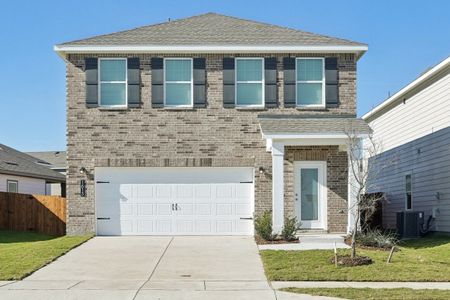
253, 108
305, 108
105, 108
178, 108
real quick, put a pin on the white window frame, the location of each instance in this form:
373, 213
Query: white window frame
191, 82
100, 82
262, 81
406, 192
8, 181
322, 105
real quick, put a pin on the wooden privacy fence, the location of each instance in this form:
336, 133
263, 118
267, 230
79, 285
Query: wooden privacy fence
39, 213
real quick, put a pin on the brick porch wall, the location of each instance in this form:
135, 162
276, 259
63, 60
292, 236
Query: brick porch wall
337, 176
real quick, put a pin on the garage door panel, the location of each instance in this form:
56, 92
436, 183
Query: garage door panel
126, 209
224, 226
145, 210
203, 209
185, 209
143, 207
203, 226
184, 191
243, 209
224, 209
164, 209
164, 226
224, 191
184, 226
145, 191
202, 191
145, 227
163, 191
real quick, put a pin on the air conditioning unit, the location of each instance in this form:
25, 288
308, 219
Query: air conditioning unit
410, 223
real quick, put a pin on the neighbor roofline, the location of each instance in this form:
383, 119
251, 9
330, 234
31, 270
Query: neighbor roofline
32, 175
397, 96
63, 50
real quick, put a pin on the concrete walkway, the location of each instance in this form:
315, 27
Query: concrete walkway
361, 284
134, 268
311, 242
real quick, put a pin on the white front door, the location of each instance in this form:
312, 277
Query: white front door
311, 194
174, 201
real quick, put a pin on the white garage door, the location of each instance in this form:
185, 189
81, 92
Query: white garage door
174, 201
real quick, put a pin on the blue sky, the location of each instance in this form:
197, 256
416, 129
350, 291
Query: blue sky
404, 37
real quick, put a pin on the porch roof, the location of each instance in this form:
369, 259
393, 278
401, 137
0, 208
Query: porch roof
308, 125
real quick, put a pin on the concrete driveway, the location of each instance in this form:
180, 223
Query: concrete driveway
152, 268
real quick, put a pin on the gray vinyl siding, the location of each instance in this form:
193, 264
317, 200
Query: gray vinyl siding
428, 160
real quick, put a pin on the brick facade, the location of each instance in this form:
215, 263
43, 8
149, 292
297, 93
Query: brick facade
211, 136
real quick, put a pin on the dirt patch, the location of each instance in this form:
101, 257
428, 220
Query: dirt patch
347, 261
261, 241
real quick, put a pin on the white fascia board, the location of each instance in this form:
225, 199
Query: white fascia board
289, 136
407, 88
62, 50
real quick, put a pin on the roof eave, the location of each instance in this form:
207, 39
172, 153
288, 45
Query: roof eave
63, 50
31, 175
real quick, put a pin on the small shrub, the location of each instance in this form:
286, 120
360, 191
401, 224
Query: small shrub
376, 238
263, 226
291, 225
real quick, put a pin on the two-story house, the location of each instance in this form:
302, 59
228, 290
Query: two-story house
196, 125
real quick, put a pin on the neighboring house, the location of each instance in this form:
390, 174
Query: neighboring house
196, 125
413, 129
56, 160
22, 173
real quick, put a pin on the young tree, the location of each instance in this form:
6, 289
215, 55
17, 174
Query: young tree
361, 171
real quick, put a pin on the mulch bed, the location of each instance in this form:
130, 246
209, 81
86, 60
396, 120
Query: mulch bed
347, 261
261, 241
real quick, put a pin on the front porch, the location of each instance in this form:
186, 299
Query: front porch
310, 169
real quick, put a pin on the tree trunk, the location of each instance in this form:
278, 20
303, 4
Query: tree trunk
355, 229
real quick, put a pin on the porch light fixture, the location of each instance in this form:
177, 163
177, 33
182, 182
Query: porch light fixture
83, 170
261, 170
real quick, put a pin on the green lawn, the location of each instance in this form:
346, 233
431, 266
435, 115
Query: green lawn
375, 294
22, 253
426, 259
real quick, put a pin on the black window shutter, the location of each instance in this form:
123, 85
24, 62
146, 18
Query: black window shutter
331, 81
228, 82
157, 65
91, 72
289, 81
199, 82
270, 78
134, 82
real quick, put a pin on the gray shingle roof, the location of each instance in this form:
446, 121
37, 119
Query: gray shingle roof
282, 124
56, 159
14, 162
212, 29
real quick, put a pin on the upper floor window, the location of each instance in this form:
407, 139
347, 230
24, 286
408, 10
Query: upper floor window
178, 83
12, 186
113, 82
310, 82
408, 192
249, 82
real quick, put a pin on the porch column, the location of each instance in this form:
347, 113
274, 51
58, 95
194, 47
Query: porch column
277, 186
